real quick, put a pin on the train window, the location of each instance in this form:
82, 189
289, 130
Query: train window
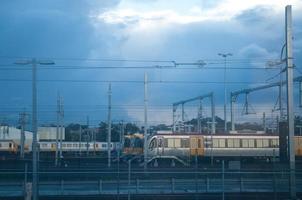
222, 143
165, 142
265, 143
199, 143
251, 143
259, 143
215, 143
274, 143
160, 143
184, 143
153, 143
194, 144
170, 143
104, 145
245, 143
96, 145
177, 143
230, 143
237, 143
0, 145
10, 145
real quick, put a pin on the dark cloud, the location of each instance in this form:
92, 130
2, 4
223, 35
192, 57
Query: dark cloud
61, 29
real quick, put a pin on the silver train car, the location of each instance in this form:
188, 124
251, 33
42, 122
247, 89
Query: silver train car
184, 146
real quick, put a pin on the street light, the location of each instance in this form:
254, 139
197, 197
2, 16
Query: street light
225, 55
34, 62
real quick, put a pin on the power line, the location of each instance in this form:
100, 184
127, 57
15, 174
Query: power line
133, 81
8, 67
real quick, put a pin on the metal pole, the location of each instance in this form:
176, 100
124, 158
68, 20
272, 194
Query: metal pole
199, 117
174, 125
118, 174
146, 119
222, 179
196, 166
109, 125
225, 55
213, 114
233, 99
225, 97
129, 177
123, 136
61, 126
290, 100
34, 129
246, 104
280, 98
264, 122
80, 145
57, 130
300, 93
87, 136
22, 142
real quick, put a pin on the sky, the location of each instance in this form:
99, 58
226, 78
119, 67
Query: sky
86, 36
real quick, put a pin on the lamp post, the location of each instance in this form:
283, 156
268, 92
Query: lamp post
225, 55
34, 62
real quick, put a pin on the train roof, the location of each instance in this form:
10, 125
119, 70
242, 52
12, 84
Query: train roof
208, 134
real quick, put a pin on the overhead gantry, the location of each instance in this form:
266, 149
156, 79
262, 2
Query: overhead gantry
182, 103
279, 84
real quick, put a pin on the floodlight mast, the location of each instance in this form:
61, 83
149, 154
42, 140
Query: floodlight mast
225, 55
34, 62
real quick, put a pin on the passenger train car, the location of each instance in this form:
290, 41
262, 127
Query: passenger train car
77, 146
217, 146
8, 146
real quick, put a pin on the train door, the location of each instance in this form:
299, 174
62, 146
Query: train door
160, 146
196, 146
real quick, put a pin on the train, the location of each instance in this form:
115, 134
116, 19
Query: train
181, 146
186, 146
11, 147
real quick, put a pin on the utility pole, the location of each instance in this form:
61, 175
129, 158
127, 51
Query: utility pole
145, 120
290, 99
264, 122
109, 125
58, 128
34, 62
225, 55
61, 125
80, 145
34, 129
22, 121
87, 136
122, 135
199, 117
213, 114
